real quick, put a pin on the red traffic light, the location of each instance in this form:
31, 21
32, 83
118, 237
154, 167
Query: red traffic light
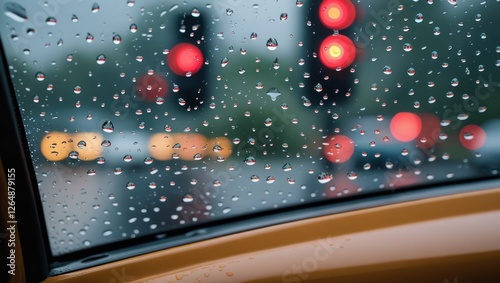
149, 87
337, 14
185, 58
338, 148
406, 126
337, 51
472, 137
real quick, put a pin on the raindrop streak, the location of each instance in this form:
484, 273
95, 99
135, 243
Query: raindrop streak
173, 8
224, 62
15, 12
108, 127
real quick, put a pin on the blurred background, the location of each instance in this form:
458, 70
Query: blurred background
144, 117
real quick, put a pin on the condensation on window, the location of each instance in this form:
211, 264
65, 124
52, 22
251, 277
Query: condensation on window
144, 117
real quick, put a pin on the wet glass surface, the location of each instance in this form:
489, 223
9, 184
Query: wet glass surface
144, 117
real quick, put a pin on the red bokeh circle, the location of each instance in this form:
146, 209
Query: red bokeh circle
185, 58
337, 14
472, 137
337, 51
149, 87
338, 148
405, 126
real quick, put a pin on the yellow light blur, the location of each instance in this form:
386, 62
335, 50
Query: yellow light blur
161, 146
335, 51
220, 146
190, 145
334, 13
55, 146
92, 148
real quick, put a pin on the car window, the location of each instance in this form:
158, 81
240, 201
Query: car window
144, 117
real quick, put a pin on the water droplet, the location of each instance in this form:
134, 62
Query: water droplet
127, 158
107, 233
108, 127
117, 39
283, 16
273, 93
407, 47
40, 76
253, 36
352, 176
254, 178
131, 185
287, 167
195, 13
324, 178
73, 155
51, 21
272, 44
148, 160
89, 38
387, 70
224, 62
95, 8
434, 55
306, 102
270, 179
15, 11
133, 28
419, 18
101, 59
250, 160
318, 87
188, 198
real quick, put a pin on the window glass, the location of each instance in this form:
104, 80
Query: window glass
144, 117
